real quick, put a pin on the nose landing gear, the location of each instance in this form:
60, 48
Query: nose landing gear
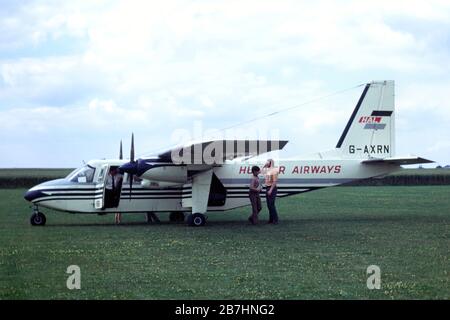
37, 218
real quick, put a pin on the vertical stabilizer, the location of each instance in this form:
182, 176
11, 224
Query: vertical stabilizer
370, 132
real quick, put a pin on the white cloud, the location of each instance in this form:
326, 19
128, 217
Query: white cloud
157, 66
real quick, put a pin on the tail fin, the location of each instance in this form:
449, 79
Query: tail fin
370, 132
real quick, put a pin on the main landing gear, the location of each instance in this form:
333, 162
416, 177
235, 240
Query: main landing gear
196, 220
193, 220
37, 218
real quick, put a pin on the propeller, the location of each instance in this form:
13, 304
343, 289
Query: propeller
130, 167
132, 148
120, 152
134, 167
132, 161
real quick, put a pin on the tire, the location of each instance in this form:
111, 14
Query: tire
196, 220
176, 216
38, 219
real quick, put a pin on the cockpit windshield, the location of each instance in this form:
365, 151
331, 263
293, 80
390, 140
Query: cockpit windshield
82, 175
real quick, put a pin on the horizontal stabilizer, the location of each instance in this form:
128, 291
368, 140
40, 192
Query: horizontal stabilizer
398, 160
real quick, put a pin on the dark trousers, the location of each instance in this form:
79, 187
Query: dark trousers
273, 215
255, 200
112, 198
109, 198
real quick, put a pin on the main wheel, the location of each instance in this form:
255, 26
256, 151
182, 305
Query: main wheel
38, 219
176, 216
196, 220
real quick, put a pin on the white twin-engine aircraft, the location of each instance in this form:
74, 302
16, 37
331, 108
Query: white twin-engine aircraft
207, 176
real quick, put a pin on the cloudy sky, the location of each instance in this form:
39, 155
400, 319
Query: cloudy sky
78, 76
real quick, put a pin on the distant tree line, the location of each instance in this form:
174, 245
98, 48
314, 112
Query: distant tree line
405, 180
407, 177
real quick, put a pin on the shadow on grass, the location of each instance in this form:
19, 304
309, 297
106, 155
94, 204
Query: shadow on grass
285, 222
111, 224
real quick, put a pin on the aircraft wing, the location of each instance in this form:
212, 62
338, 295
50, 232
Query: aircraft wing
216, 152
398, 160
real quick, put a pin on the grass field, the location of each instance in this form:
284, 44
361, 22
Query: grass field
321, 250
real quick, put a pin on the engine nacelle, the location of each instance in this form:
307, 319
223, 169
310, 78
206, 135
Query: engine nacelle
148, 184
169, 173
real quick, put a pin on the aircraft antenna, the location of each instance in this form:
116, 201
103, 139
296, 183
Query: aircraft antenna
280, 111
290, 108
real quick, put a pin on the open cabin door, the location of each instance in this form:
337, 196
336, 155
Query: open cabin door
110, 182
99, 202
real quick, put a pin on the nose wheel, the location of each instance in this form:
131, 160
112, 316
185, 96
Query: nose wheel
37, 218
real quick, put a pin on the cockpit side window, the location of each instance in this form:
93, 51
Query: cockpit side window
82, 175
101, 175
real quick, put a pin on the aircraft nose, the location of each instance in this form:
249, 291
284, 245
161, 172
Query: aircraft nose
31, 195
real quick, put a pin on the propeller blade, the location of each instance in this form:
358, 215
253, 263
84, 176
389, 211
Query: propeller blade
131, 185
131, 167
131, 160
132, 148
120, 153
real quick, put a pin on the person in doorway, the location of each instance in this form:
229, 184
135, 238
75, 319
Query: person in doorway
109, 188
271, 177
118, 180
255, 199
113, 190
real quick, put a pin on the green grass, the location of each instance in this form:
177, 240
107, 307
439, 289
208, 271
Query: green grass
321, 250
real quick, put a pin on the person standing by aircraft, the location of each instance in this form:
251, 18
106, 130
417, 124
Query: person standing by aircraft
255, 199
118, 180
271, 177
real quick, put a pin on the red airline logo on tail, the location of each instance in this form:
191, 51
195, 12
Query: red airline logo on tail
370, 119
